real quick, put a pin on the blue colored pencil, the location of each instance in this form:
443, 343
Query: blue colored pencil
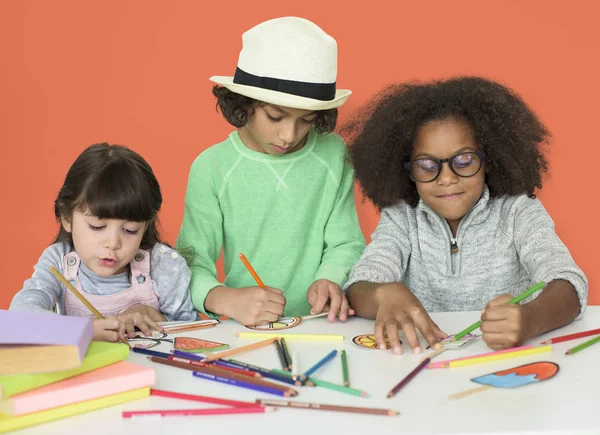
151, 352
318, 365
242, 384
263, 371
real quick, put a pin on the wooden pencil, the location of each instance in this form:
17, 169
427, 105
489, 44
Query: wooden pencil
284, 364
286, 353
345, 369
83, 300
582, 346
197, 398
308, 337
249, 347
183, 412
323, 407
408, 377
216, 371
571, 336
252, 271
329, 385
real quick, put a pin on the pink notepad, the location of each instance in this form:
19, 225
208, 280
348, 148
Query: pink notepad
113, 379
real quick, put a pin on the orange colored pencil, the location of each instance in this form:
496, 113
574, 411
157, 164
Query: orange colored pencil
257, 345
252, 271
175, 330
83, 300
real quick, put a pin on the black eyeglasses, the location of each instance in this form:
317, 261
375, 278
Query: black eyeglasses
462, 164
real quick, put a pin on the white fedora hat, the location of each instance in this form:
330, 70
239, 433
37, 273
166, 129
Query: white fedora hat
289, 62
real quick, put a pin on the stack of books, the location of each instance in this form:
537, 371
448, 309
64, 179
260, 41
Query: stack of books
50, 369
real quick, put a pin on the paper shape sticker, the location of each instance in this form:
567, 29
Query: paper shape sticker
367, 341
450, 344
147, 342
197, 345
519, 376
282, 323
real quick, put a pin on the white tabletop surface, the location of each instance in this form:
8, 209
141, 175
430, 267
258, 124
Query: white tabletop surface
562, 405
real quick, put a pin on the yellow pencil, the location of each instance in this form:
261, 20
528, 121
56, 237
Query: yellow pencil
499, 356
252, 346
290, 336
83, 300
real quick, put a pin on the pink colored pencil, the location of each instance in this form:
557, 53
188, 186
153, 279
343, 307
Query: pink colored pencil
444, 364
182, 412
205, 399
571, 336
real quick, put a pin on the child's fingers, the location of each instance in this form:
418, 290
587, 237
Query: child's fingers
274, 308
394, 338
130, 328
428, 334
335, 304
145, 324
277, 298
498, 312
274, 290
437, 331
344, 309
379, 335
109, 335
495, 340
500, 300
411, 335
321, 299
155, 316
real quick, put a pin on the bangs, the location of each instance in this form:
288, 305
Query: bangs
118, 192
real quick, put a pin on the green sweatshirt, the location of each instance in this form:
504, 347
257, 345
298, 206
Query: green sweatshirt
293, 216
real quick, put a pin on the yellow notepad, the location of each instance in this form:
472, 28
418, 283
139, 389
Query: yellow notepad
13, 423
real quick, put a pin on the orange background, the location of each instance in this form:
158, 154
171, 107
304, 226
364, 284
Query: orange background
136, 73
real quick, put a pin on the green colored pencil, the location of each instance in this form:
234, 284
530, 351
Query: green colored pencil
516, 300
345, 368
329, 385
582, 346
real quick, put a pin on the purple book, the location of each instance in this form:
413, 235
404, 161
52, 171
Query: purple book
32, 342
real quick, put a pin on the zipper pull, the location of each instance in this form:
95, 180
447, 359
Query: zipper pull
453, 246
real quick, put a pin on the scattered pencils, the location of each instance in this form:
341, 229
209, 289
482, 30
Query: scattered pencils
236, 350
83, 300
345, 369
494, 356
318, 365
322, 407
446, 363
286, 353
284, 363
582, 346
571, 336
515, 300
197, 398
252, 271
308, 337
328, 385
409, 377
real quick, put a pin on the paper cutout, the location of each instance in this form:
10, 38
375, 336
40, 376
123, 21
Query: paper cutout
148, 342
519, 376
450, 344
367, 341
197, 345
282, 323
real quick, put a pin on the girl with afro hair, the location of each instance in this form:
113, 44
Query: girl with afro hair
452, 166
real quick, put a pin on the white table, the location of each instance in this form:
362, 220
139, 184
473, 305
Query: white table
562, 405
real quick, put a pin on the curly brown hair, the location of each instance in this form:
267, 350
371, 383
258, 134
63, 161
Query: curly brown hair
381, 136
236, 108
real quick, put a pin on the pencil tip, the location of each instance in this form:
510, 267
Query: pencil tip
390, 394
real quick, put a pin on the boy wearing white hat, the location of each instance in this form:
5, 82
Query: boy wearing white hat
279, 188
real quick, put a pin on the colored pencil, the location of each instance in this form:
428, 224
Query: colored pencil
151, 352
179, 329
252, 271
290, 336
571, 336
515, 300
582, 346
83, 300
323, 407
197, 398
216, 371
286, 353
497, 356
281, 355
182, 412
295, 366
445, 364
237, 370
408, 377
318, 365
242, 384
345, 368
241, 349
314, 316
218, 363
263, 371
329, 385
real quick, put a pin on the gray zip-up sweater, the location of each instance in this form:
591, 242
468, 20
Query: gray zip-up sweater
505, 245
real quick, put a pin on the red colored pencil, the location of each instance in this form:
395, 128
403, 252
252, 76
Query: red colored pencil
571, 336
181, 412
205, 399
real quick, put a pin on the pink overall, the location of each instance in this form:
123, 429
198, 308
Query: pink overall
140, 292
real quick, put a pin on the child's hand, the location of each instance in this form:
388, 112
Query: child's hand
142, 316
323, 291
106, 329
398, 308
504, 325
254, 306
